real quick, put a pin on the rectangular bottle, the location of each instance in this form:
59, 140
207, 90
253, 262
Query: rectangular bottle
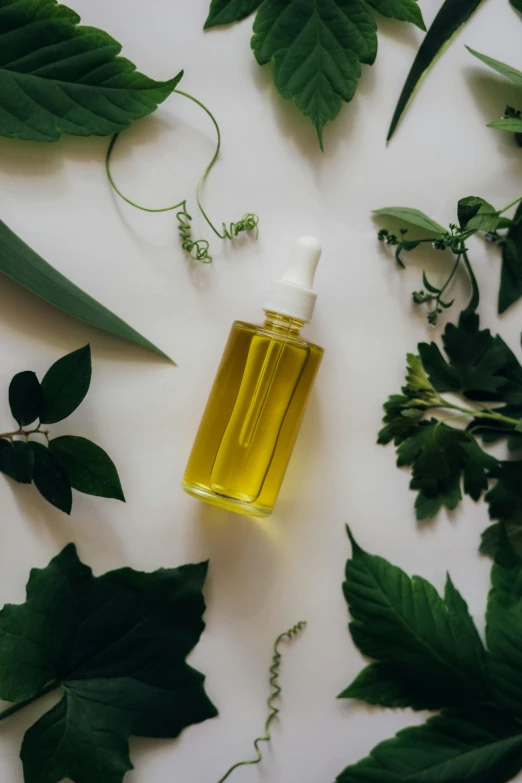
258, 399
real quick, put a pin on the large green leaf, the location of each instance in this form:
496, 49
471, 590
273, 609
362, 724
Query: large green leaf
316, 48
449, 20
19, 262
58, 77
475, 746
228, 11
25, 398
506, 70
428, 651
65, 385
116, 645
50, 478
414, 217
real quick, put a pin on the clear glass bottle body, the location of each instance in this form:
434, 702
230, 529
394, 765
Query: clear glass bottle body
253, 416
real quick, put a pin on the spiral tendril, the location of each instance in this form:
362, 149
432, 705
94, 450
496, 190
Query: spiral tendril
276, 690
198, 249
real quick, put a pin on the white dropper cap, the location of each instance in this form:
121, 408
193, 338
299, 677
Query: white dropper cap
293, 294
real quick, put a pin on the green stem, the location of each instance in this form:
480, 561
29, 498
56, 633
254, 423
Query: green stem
21, 704
475, 293
479, 414
511, 204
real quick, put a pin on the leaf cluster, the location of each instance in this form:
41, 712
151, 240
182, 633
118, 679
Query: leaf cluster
475, 215
484, 375
315, 47
428, 655
57, 465
115, 646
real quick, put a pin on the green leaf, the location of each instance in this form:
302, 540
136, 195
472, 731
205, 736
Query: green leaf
50, 478
414, 217
449, 20
491, 538
475, 213
517, 4
504, 628
89, 468
316, 48
25, 398
428, 651
506, 70
58, 77
481, 366
403, 10
440, 456
475, 746
19, 262
510, 124
468, 208
505, 498
116, 645
16, 460
65, 385
511, 276
228, 11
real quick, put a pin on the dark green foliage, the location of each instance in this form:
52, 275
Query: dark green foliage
315, 47
511, 275
59, 77
66, 462
449, 20
428, 655
116, 647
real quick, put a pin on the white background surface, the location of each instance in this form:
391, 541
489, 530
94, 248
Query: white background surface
264, 576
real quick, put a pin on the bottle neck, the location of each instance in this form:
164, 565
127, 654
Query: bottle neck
283, 324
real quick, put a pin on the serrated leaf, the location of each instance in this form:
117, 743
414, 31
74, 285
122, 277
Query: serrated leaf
449, 20
492, 535
511, 275
20, 263
229, 11
50, 478
59, 77
65, 385
316, 48
414, 217
89, 467
505, 498
25, 398
427, 648
475, 746
16, 460
116, 645
510, 73
403, 10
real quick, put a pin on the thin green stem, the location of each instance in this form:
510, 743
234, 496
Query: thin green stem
479, 414
475, 293
21, 704
511, 204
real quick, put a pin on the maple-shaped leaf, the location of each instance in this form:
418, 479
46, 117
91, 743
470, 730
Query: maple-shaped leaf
428, 654
315, 47
116, 647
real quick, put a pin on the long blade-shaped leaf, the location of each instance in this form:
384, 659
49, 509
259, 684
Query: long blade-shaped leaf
19, 262
510, 73
451, 17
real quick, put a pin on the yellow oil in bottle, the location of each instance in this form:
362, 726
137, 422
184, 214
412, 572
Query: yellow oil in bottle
253, 415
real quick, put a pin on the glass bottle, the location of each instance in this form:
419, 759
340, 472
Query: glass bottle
256, 405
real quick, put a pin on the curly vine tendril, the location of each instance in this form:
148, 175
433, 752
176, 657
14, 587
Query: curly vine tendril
196, 248
276, 690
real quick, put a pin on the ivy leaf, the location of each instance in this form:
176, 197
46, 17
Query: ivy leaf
116, 646
50, 478
429, 654
316, 48
228, 11
65, 385
413, 216
511, 275
449, 20
16, 460
59, 77
25, 398
89, 468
